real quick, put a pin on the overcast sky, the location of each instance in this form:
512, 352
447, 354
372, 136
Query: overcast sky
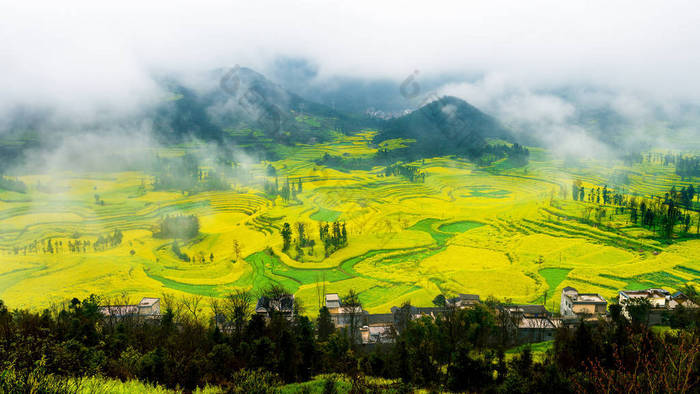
99, 55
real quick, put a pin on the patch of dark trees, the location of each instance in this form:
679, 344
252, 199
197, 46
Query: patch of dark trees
333, 236
108, 241
686, 166
289, 191
14, 185
412, 173
662, 214
456, 350
178, 227
183, 173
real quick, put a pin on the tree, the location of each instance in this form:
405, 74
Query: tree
236, 308
302, 234
468, 374
192, 304
236, 249
576, 189
324, 324
440, 301
638, 310
286, 236
352, 307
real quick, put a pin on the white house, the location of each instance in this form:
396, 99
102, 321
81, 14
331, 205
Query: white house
575, 304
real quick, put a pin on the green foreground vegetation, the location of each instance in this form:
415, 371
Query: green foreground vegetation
78, 349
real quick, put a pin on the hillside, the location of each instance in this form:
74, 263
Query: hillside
448, 126
241, 99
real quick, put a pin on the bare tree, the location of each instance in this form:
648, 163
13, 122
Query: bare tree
236, 308
352, 308
169, 302
192, 305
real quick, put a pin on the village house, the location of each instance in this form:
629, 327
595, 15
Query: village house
660, 300
147, 308
343, 315
680, 299
283, 305
379, 328
581, 305
464, 301
529, 323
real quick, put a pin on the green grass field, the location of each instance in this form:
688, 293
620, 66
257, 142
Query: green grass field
501, 232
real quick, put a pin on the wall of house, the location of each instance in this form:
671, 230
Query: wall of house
565, 309
589, 309
532, 335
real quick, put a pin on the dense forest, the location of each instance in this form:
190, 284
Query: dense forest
456, 350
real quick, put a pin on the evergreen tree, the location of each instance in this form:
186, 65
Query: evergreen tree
286, 236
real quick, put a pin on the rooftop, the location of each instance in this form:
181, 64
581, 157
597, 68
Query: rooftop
332, 297
583, 298
645, 293
148, 301
590, 298
380, 318
527, 309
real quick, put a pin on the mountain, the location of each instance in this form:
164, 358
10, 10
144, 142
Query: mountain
447, 126
242, 99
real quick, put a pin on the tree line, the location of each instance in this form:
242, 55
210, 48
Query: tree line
686, 166
56, 246
456, 349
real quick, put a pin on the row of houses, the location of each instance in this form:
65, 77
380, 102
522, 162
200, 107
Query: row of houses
527, 322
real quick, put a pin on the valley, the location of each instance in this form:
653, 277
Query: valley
513, 233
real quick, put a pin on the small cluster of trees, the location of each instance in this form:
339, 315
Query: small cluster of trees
518, 155
200, 257
288, 192
412, 173
12, 184
184, 173
78, 246
688, 167
597, 195
108, 240
661, 214
333, 236
178, 227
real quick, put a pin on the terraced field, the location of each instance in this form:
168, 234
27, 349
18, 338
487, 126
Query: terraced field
492, 231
